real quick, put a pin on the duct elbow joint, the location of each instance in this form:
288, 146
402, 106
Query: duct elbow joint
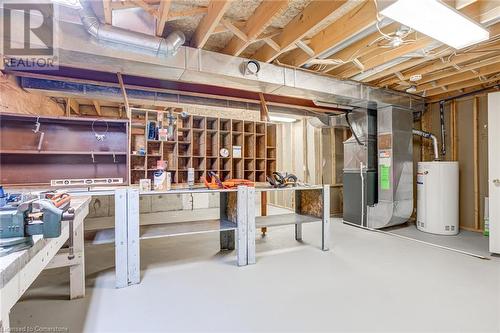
431, 136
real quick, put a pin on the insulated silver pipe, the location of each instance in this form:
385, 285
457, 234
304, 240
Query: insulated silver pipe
431, 136
103, 32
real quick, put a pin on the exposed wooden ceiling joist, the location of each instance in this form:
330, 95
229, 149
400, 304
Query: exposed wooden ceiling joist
491, 59
148, 8
360, 48
310, 18
163, 12
215, 11
255, 25
461, 85
459, 77
106, 6
375, 59
97, 107
453, 94
355, 21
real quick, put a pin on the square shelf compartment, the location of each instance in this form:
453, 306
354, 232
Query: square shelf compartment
249, 164
211, 164
212, 124
225, 164
271, 135
249, 147
183, 163
184, 122
237, 125
225, 124
250, 175
212, 145
260, 176
249, 126
198, 122
184, 135
199, 163
271, 152
260, 128
198, 144
260, 164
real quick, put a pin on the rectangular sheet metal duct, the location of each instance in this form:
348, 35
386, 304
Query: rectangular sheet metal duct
76, 49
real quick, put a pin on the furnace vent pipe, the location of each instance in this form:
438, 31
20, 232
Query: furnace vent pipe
104, 32
431, 136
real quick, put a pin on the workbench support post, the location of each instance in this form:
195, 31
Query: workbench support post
241, 221
227, 238
251, 226
77, 272
325, 225
121, 252
133, 254
298, 226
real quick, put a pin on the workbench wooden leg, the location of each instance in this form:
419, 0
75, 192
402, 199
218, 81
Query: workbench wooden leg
77, 272
263, 210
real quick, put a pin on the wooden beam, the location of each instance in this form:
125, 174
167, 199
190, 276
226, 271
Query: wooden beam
475, 131
466, 75
97, 107
361, 47
483, 87
264, 111
74, 105
255, 25
458, 86
352, 23
108, 16
269, 41
378, 58
231, 27
315, 14
141, 3
459, 4
187, 12
215, 11
304, 47
437, 65
382, 77
163, 14
68, 107
125, 97
453, 70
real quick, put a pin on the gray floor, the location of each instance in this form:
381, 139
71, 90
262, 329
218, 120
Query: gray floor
367, 282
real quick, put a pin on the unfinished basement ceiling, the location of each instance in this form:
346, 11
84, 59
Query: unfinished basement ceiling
336, 38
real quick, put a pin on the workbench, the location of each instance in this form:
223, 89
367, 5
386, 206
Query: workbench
18, 270
128, 232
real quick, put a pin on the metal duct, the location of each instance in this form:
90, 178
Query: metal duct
103, 32
431, 136
395, 169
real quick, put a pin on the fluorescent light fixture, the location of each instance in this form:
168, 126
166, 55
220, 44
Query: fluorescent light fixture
438, 21
280, 119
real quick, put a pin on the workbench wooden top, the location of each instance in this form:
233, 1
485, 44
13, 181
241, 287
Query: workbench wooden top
12, 263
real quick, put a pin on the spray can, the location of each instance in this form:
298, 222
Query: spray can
190, 177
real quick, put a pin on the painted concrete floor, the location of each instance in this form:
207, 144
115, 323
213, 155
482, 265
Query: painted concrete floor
367, 282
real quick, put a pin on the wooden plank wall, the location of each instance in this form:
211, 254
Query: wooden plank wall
471, 211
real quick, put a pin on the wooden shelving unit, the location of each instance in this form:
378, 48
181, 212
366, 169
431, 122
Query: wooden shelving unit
196, 143
63, 148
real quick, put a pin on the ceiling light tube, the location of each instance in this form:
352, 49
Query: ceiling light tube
280, 119
436, 20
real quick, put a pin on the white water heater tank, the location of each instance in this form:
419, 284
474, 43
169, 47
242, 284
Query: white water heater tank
437, 197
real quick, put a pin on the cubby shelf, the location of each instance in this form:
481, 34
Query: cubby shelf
197, 142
